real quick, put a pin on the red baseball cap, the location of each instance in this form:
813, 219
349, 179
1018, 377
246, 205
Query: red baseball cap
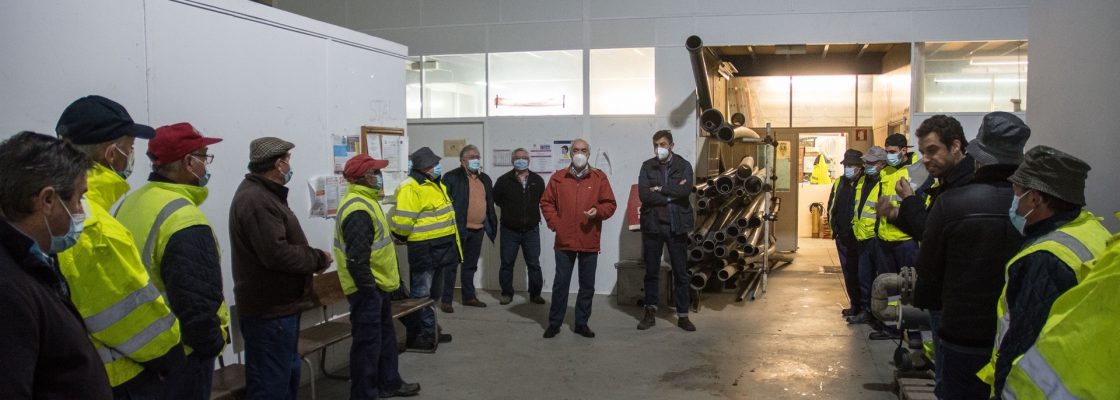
173, 142
358, 166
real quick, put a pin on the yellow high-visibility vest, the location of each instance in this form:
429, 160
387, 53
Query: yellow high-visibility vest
153, 214
126, 317
382, 255
424, 212
889, 177
1074, 243
863, 220
1073, 356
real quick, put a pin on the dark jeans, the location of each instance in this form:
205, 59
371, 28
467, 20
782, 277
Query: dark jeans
192, 380
530, 244
867, 251
271, 357
893, 256
426, 265
472, 249
959, 367
373, 353
146, 386
565, 263
652, 245
847, 249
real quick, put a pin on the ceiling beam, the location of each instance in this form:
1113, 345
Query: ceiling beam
862, 48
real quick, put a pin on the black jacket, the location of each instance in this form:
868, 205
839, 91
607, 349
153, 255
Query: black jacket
191, 271
460, 191
676, 181
912, 211
272, 261
841, 208
968, 241
521, 205
44, 350
1034, 282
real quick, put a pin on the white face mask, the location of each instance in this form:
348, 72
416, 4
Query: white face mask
579, 160
662, 153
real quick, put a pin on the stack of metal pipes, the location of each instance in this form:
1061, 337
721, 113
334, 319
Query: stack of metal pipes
728, 240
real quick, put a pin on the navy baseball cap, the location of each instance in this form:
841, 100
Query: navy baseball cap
95, 119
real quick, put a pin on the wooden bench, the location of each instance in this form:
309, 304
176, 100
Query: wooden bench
229, 381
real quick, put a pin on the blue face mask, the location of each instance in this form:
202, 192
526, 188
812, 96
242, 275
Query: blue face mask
288, 175
474, 165
410, 165
893, 159
377, 182
437, 171
38, 253
871, 170
1019, 222
521, 164
61, 243
850, 172
205, 178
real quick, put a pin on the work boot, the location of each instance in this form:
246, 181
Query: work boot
848, 312
406, 390
505, 300
685, 324
537, 299
648, 320
475, 302
585, 331
422, 343
861, 318
446, 307
551, 332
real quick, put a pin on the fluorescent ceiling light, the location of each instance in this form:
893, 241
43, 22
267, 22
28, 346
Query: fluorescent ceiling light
1003, 60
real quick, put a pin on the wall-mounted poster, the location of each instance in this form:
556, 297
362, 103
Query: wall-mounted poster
561, 154
540, 158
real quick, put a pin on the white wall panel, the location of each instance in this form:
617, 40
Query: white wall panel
621, 33
458, 12
439, 40
541, 10
535, 36
364, 15
640, 8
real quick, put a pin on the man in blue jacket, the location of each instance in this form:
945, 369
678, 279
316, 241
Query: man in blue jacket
472, 197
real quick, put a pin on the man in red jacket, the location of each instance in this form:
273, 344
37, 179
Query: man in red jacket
574, 205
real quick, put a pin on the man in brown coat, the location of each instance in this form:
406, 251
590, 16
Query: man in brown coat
272, 270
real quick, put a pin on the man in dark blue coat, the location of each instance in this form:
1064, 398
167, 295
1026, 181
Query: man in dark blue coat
472, 197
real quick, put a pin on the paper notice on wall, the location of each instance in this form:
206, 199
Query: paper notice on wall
344, 147
324, 192
503, 157
373, 141
540, 158
395, 149
561, 153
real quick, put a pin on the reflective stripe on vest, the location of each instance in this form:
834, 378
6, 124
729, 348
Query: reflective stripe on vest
425, 214
382, 257
153, 234
1074, 243
106, 318
1041, 375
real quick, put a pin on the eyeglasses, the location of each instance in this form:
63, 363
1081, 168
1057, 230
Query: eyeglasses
208, 157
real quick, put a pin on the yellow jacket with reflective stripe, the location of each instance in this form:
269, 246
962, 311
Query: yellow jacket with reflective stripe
1074, 356
424, 212
127, 318
153, 214
863, 219
382, 255
889, 177
820, 175
1074, 243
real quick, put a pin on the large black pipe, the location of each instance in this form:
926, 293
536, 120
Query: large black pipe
728, 134
711, 120
695, 48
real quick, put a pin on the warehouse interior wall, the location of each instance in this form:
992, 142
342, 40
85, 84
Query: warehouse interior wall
434, 27
1074, 91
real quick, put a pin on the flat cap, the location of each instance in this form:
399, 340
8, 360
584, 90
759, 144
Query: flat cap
875, 154
423, 159
265, 148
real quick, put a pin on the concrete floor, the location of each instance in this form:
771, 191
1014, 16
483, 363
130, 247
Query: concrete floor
790, 343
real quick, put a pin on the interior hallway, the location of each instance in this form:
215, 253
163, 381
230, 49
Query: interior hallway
790, 343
